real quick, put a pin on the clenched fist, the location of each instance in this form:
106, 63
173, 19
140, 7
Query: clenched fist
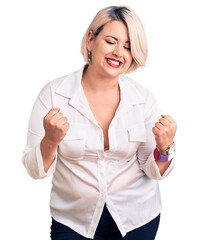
164, 131
55, 125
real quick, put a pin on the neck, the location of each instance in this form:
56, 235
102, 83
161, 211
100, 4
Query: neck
98, 82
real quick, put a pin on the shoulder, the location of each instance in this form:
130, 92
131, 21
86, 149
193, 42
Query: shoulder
66, 85
149, 105
50, 87
144, 92
53, 85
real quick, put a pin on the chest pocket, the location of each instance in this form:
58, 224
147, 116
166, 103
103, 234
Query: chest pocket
128, 141
137, 133
72, 146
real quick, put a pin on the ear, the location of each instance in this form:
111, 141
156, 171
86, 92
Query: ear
90, 39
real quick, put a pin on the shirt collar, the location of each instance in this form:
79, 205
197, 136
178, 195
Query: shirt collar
129, 92
71, 86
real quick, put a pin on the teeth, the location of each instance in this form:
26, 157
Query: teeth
113, 62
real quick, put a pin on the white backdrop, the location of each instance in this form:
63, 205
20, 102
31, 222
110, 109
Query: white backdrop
40, 41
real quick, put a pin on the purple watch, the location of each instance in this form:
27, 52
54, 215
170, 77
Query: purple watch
162, 157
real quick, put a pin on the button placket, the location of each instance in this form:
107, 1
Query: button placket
112, 138
100, 141
102, 177
101, 164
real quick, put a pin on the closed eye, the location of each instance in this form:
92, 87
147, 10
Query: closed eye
128, 48
110, 42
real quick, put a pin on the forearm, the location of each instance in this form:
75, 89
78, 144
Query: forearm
48, 152
163, 166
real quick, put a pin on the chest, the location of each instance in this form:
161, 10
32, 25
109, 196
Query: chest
85, 140
103, 108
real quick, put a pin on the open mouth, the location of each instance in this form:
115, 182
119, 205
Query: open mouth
113, 62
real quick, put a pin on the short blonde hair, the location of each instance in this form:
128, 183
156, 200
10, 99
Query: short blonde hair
138, 43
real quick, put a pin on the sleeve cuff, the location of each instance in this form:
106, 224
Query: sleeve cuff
42, 173
151, 169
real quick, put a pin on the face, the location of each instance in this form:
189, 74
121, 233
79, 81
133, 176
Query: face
111, 54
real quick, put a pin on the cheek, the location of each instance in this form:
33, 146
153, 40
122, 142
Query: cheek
129, 55
100, 52
129, 58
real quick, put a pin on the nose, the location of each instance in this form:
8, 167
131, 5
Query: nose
118, 51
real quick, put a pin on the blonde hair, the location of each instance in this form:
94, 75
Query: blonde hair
136, 32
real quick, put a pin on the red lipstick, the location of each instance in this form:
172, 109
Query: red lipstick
110, 63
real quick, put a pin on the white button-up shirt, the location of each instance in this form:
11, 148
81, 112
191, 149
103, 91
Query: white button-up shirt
85, 177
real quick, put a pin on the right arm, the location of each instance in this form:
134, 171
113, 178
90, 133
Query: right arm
44, 135
56, 126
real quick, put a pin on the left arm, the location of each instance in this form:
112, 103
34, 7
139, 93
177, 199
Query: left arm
162, 135
164, 132
163, 166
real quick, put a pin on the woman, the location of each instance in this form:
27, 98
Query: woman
102, 138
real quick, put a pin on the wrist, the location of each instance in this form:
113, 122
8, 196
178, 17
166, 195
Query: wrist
164, 156
48, 152
48, 143
161, 157
169, 150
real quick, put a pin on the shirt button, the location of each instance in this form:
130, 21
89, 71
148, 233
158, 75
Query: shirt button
100, 155
102, 195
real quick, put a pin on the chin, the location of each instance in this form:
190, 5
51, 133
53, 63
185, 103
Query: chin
115, 72
108, 71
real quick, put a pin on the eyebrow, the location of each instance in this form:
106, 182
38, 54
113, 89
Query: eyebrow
116, 38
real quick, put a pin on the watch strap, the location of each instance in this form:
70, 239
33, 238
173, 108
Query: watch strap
166, 152
161, 157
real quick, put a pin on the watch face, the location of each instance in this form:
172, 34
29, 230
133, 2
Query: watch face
171, 149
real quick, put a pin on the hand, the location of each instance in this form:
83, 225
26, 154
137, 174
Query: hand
164, 131
55, 125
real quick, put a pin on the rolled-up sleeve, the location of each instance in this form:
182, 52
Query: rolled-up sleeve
145, 150
32, 158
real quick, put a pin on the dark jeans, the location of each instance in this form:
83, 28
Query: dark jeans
106, 230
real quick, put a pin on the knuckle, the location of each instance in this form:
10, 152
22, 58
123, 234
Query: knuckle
55, 109
45, 119
57, 125
160, 134
51, 110
154, 129
166, 129
175, 125
58, 116
65, 118
66, 125
168, 116
51, 122
46, 116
